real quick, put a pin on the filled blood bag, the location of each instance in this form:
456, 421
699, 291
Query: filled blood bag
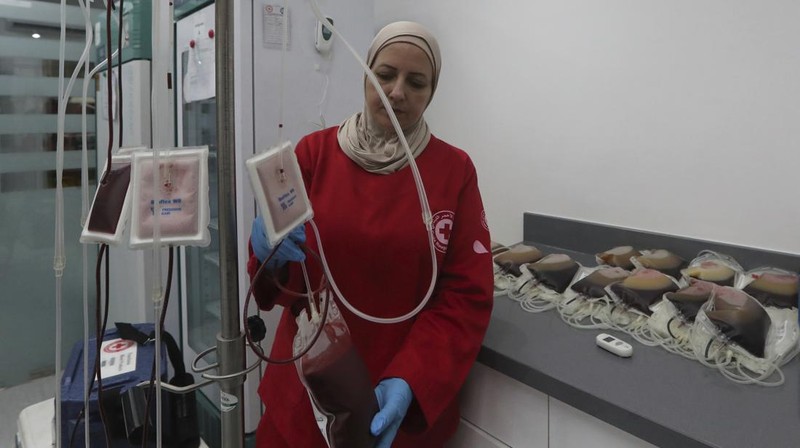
337, 379
109, 211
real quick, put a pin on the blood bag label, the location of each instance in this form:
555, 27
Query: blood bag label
117, 356
287, 199
168, 206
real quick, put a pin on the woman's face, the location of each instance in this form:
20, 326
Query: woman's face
406, 76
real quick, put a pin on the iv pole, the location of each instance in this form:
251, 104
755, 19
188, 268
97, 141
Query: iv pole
230, 340
230, 371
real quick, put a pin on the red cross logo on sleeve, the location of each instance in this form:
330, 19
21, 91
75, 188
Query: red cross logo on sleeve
442, 229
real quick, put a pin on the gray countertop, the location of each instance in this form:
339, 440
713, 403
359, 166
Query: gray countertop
659, 397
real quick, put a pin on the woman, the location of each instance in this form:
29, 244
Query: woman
368, 214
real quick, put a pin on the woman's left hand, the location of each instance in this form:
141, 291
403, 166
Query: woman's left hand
394, 397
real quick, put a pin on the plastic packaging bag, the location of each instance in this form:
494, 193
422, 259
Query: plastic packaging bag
183, 198
642, 289
594, 285
619, 257
713, 267
110, 207
554, 271
587, 299
673, 316
734, 333
661, 260
688, 301
777, 290
545, 282
740, 319
498, 248
772, 286
336, 378
636, 295
508, 274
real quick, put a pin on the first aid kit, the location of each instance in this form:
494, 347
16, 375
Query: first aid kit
127, 355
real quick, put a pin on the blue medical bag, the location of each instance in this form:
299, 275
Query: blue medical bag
122, 373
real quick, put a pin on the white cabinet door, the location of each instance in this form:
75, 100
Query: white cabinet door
571, 428
507, 410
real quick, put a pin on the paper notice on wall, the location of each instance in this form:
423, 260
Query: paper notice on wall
199, 80
117, 356
276, 27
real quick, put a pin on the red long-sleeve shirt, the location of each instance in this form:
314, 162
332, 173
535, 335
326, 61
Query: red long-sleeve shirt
376, 246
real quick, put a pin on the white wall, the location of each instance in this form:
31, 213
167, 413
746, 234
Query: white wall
671, 116
303, 85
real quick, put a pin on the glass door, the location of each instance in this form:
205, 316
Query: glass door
196, 123
201, 266
29, 62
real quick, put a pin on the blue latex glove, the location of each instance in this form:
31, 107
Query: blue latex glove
394, 398
288, 251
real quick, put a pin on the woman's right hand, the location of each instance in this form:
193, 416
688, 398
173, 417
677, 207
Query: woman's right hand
288, 250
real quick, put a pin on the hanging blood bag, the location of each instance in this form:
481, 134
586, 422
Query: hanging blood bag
336, 378
279, 190
109, 211
181, 198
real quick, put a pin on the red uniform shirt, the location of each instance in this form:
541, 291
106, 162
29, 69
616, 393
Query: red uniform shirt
378, 253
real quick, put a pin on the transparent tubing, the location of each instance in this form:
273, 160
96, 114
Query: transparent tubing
84, 148
321, 103
311, 303
427, 217
284, 39
158, 299
58, 258
84, 214
281, 76
60, 262
741, 377
101, 65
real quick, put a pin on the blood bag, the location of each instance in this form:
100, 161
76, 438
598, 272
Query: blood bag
772, 286
279, 190
713, 267
182, 198
642, 289
109, 211
619, 257
661, 260
737, 317
336, 378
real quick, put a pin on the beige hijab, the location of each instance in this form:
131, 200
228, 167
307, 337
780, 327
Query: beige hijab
365, 142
